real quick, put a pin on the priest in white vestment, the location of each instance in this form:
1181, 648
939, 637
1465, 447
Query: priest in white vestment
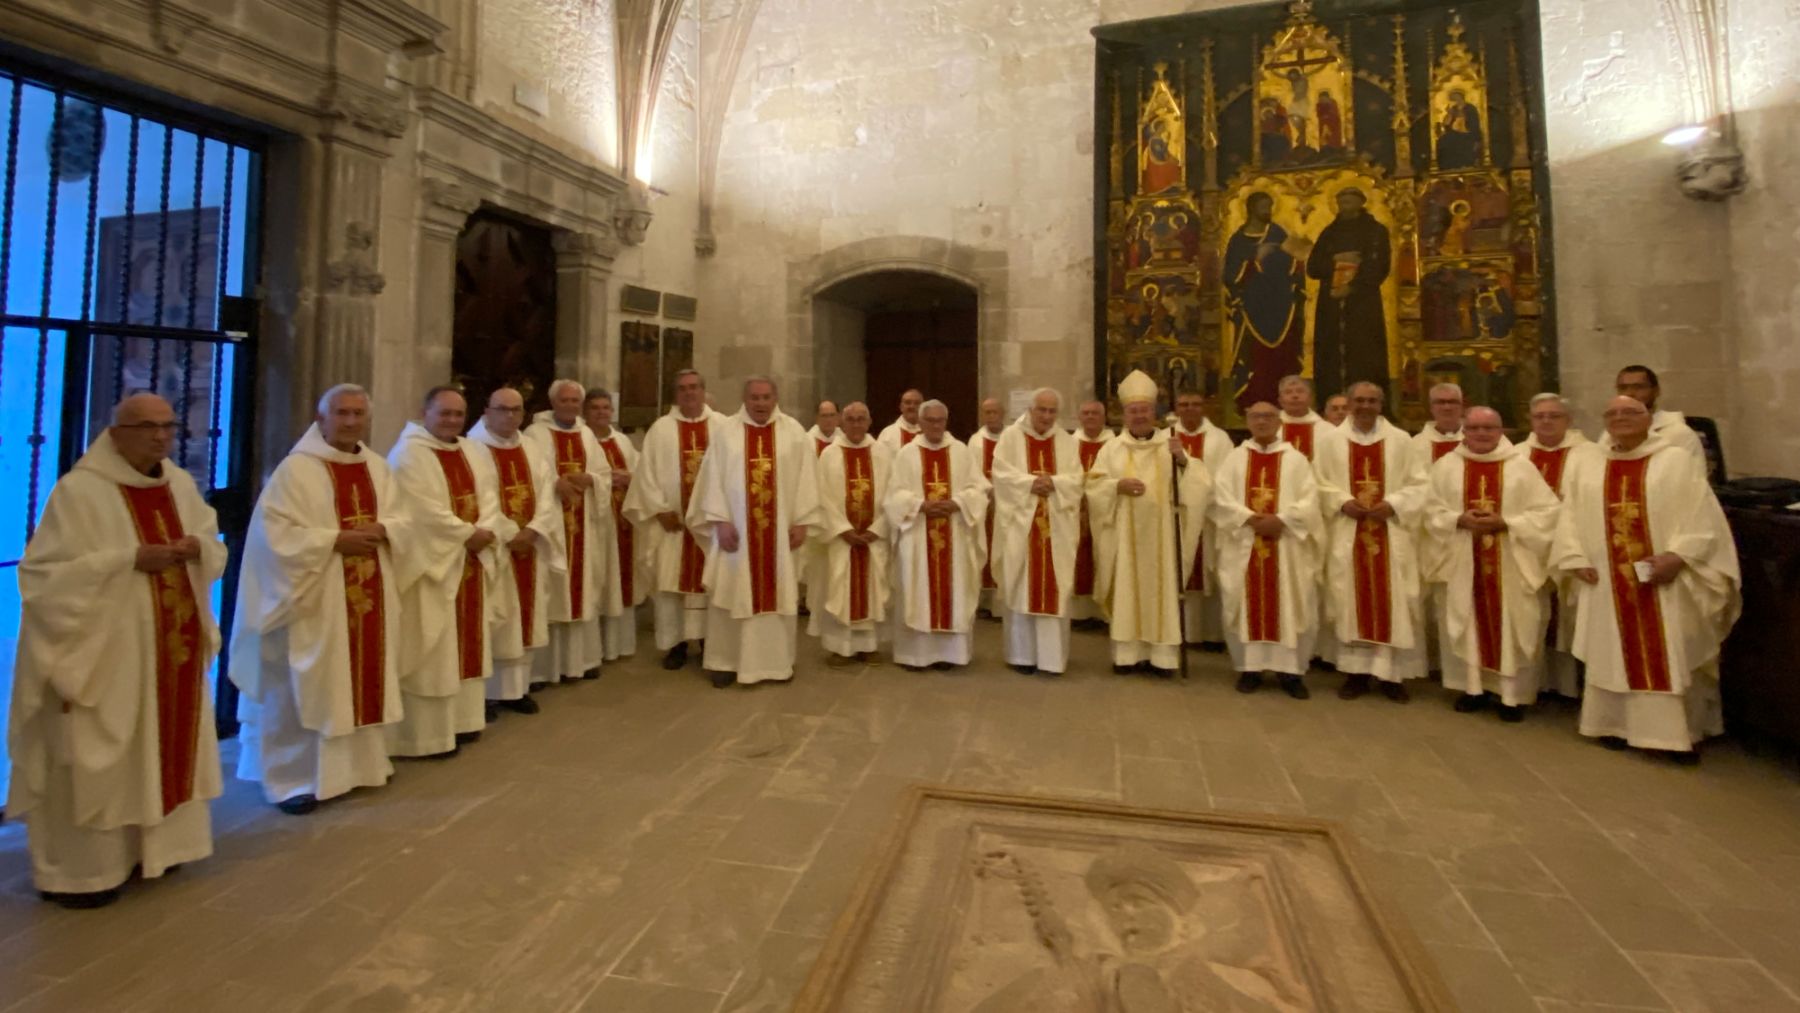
1091, 434
1490, 518
449, 492
852, 544
1641, 384
1208, 444
315, 640
661, 492
1145, 497
1312, 435
1265, 507
1658, 587
624, 577
1440, 436
935, 506
530, 559
1550, 447
983, 444
111, 734
904, 429
826, 419
754, 504
583, 490
1372, 498
1336, 410
1038, 490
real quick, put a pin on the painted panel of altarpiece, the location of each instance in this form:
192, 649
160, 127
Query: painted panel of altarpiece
1344, 190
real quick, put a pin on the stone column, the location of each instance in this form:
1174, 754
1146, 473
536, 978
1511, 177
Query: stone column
445, 206
585, 349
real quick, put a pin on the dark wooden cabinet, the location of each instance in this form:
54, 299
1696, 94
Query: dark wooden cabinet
1760, 665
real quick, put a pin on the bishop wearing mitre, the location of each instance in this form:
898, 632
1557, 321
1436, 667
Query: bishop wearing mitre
1207, 443
853, 542
583, 490
448, 490
1657, 590
1552, 444
1091, 434
1147, 501
530, 558
1038, 490
935, 506
1265, 509
661, 492
1490, 517
316, 637
112, 742
1372, 497
755, 501
623, 583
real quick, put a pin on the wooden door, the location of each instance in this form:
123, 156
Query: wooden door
505, 330
931, 349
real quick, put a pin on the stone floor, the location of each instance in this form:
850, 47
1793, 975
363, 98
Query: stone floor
650, 844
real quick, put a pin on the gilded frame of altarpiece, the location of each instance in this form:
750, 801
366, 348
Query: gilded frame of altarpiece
1345, 190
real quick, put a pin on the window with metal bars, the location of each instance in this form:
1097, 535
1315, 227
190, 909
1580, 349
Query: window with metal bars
128, 252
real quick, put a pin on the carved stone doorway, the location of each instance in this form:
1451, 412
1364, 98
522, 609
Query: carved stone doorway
505, 326
880, 333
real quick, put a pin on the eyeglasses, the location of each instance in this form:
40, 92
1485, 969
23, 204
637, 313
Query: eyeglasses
147, 427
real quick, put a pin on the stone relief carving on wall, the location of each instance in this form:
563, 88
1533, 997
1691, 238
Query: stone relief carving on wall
355, 272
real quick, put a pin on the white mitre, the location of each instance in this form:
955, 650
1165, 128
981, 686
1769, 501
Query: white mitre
1137, 386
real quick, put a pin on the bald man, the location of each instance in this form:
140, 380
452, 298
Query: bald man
112, 742
853, 541
825, 425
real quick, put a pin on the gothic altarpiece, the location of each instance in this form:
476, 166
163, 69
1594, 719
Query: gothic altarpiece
1340, 190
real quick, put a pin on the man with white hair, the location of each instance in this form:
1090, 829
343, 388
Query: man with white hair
904, 429
1038, 482
660, 495
530, 558
1091, 434
1202, 441
1372, 495
1657, 590
112, 739
622, 582
1550, 447
1145, 495
983, 444
1490, 518
583, 486
754, 502
448, 489
316, 637
1441, 435
826, 419
935, 506
849, 580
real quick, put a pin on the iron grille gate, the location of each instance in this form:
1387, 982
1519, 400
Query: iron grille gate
128, 246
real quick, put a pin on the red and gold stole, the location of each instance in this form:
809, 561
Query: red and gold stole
1262, 578
1441, 447
1549, 462
1483, 482
693, 438
1084, 548
1195, 447
820, 445
940, 557
1369, 556
615, 459
471, 613
1627, 541
759, 503
987, 472
859, 509
1040, 459
353, 496
518, 501
571, 459
1300, 436
180, 666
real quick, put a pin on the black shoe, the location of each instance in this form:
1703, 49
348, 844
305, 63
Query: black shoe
299, 805
1395, 691
81, 901
1353, 687
1512, 715
943, 666
592, 673
490, 712
720, 680
1249, 682
1160, 673
1614, 743
1687, 758
534, 686
1124, 669
912, 668
464, 738
1469, 703
700, 653
1295, 687
676, 657
523, 705
1025, 669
